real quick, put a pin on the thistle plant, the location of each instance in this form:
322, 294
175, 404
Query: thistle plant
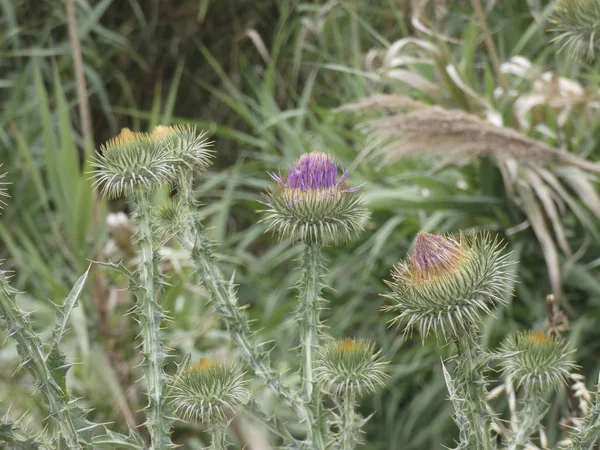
312, 204
540, 363
209, 391
447, 286
134, 164
346, 369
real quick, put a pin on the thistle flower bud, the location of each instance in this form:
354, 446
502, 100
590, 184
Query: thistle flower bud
448, 283
578, 22
312, 203
172, 218
349, 364
190, 148
133, 161
206, 391
536, 360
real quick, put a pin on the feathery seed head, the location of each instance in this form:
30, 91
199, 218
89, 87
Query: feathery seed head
312, 203
207, 390
449, 283
133, 161
536, 360
190, 148
349, 364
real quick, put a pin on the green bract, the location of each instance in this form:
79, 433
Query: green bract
448, 283
206, 391
536, 360
133, 161
349, 365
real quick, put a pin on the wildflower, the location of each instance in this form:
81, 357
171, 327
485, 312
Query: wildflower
536, 360
190, 148
131, 162
206, 391
349, 365
313, 203
448, 283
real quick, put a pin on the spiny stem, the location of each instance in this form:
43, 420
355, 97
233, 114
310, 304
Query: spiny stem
309, 289
224, 301
150, 314
349, 426
30, 349
469, 371
530, 416
218, 435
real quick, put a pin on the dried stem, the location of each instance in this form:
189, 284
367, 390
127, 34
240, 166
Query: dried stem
489, 43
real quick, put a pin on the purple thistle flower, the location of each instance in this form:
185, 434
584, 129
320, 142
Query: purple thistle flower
315, 170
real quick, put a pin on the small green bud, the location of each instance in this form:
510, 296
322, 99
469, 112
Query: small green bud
312, 203
448, 283
206, 391
133, 161
172, 218
536, 360
349, 364
190, 148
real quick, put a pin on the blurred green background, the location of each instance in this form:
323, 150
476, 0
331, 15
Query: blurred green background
268, 80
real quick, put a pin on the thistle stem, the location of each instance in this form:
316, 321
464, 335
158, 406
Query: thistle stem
150, 315
310, 310
534, 409
224, 300
218, 435
30, 349
349, 428
469, 373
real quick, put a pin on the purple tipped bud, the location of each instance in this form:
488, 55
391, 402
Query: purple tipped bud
434, 254
315, 170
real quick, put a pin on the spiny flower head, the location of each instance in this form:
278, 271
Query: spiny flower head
207, 390
448, 283
578, 22
131, 162
349, 364
536, 360
312, 202
172, 218
191, 148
